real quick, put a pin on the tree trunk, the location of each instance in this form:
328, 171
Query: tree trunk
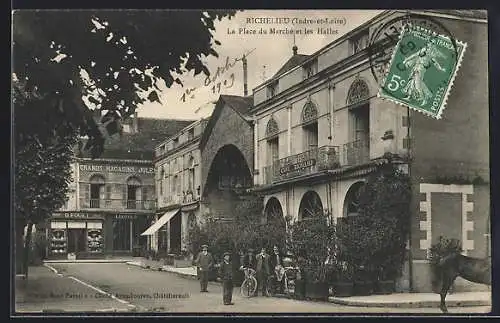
27, 248
19, 247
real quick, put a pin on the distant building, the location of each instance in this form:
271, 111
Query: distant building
111, 198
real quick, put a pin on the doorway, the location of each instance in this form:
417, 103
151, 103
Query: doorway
76, 240
175, 233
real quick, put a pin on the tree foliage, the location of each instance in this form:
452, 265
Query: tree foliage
310, 240
246, 230
376, 238
125, 54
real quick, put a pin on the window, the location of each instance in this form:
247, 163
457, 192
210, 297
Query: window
133, 192
310, 69
272, 89
126, 128
175, 142
359, 42
273, 150
191, 134
174, 183
162, 175
311, 136
310, 125
122, 231
96, 191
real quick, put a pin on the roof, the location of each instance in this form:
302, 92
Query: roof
241, 105
140, 145
295, 60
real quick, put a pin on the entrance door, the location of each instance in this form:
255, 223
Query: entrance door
175, 233
76, 240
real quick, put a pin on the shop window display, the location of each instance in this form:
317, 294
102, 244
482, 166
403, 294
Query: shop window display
58, 243
95, 240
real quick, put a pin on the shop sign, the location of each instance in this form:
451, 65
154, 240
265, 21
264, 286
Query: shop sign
117, 169
77, 215
125, 216
297, 167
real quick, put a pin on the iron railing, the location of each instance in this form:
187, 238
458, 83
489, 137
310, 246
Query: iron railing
116, 204
308, 162
356, 152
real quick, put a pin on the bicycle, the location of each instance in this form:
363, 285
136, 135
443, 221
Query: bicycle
249, 284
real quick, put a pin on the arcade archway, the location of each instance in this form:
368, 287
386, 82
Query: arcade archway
351, 201
310, 206
228, 176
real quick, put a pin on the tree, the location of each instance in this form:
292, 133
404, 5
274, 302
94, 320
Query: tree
125, 55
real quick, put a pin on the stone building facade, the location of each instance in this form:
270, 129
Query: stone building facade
112, 198
178, 188
319, 130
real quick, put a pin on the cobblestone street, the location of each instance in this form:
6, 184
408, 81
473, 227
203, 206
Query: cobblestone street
130, 288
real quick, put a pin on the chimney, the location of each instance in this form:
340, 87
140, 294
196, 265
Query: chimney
294, 49
245, 86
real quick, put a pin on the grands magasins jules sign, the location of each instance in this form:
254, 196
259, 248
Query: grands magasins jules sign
117, 169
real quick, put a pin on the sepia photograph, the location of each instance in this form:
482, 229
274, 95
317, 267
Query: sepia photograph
242, 161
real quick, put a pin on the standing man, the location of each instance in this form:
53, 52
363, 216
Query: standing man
226, 274
276, 263
204, 262
262, 272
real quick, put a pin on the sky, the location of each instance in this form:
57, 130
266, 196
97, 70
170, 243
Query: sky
266, 54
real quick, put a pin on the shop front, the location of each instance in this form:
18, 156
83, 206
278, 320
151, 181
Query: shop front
79, 235
72, 234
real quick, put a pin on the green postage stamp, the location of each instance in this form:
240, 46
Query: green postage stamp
422, 70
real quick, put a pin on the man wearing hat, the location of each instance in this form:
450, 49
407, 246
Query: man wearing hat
276, 263
204, 262
262, 271
226, 274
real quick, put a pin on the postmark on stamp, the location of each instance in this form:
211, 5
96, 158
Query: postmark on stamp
422, 70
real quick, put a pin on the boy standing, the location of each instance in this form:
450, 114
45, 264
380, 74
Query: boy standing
226, 274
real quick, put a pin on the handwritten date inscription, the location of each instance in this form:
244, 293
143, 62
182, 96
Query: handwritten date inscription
218, 80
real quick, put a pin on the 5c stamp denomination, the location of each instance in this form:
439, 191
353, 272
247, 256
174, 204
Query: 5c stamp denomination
422, 70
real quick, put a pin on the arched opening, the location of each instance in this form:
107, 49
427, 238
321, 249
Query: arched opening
276, 224
229, 175
310, 125
351, 201
310, 206
272, 131
356, 151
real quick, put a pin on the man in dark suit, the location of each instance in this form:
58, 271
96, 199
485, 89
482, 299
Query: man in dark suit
226, 274
204, 262
263, 271
276, 264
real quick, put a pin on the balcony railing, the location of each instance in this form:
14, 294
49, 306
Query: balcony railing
356, 152
117, 204
308, 162
173, 199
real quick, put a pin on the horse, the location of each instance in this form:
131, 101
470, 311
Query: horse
455, 265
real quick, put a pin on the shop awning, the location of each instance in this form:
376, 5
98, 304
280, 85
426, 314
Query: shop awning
161, 222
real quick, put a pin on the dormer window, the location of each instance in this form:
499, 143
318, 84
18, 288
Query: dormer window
310, 69
191, 134
272, 89
359, 42
175, 142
